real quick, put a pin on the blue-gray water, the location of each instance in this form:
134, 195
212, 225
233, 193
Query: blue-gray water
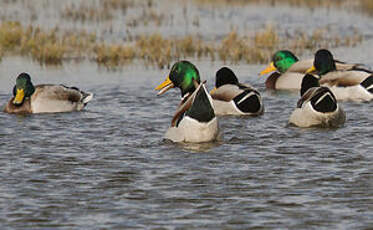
108, 167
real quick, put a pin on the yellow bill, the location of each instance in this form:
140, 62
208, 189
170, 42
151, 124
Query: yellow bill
270, 68
164, 86
213, 90
19, 97
312, 69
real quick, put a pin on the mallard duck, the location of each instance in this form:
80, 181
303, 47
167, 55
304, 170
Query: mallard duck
233, 98
194, 120
351, 84
317, 107
45, 98
288, 70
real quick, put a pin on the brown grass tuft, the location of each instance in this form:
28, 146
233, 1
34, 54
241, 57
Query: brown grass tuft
267, 38
10, 35
54, 46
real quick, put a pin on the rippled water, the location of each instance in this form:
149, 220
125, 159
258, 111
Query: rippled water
108, 167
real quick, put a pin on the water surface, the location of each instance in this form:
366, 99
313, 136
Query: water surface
108, 167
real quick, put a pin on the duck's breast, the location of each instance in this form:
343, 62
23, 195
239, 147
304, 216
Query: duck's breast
289, 81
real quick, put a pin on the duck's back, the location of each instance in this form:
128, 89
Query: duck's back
56, 98
195, 120
344, 78
301, 66
237, 100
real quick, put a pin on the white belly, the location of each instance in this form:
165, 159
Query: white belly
189, 130
308, 117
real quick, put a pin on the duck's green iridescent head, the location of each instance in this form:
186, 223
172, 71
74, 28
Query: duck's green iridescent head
323, 63
281, 61
182, 75
23, 88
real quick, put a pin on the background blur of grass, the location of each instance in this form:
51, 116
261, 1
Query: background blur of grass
54, 45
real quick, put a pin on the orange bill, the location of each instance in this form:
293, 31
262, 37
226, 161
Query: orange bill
19, 97
213, 90
312, 69
270, 68
165, 86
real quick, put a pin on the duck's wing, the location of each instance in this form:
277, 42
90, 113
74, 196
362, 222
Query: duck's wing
303, 65
340, 65
183, 107
58, 93
198, 106
202, 109
228, 92
306, 96
344, 78
58, 98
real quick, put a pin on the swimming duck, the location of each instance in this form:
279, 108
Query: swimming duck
317, 106
194, 120
353, 84
233, 98
289, 70
45, 98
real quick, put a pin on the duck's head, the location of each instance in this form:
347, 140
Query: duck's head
225, 76
323, 62
23, 88
281, 61
183, 75
309, 81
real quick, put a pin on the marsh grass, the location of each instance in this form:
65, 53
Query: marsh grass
86, 12
10, 35
54, 46
154, 49
365, 6
113, 55
297, 3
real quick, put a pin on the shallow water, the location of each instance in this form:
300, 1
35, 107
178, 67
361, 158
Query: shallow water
108, 167
181, 18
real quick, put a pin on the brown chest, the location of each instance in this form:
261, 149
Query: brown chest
22, 109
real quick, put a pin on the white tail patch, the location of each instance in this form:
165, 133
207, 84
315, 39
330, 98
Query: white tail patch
88, 98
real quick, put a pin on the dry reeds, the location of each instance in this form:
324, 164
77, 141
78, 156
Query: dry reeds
54, 46
113, 55
297, 3
85, 11
10, 35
